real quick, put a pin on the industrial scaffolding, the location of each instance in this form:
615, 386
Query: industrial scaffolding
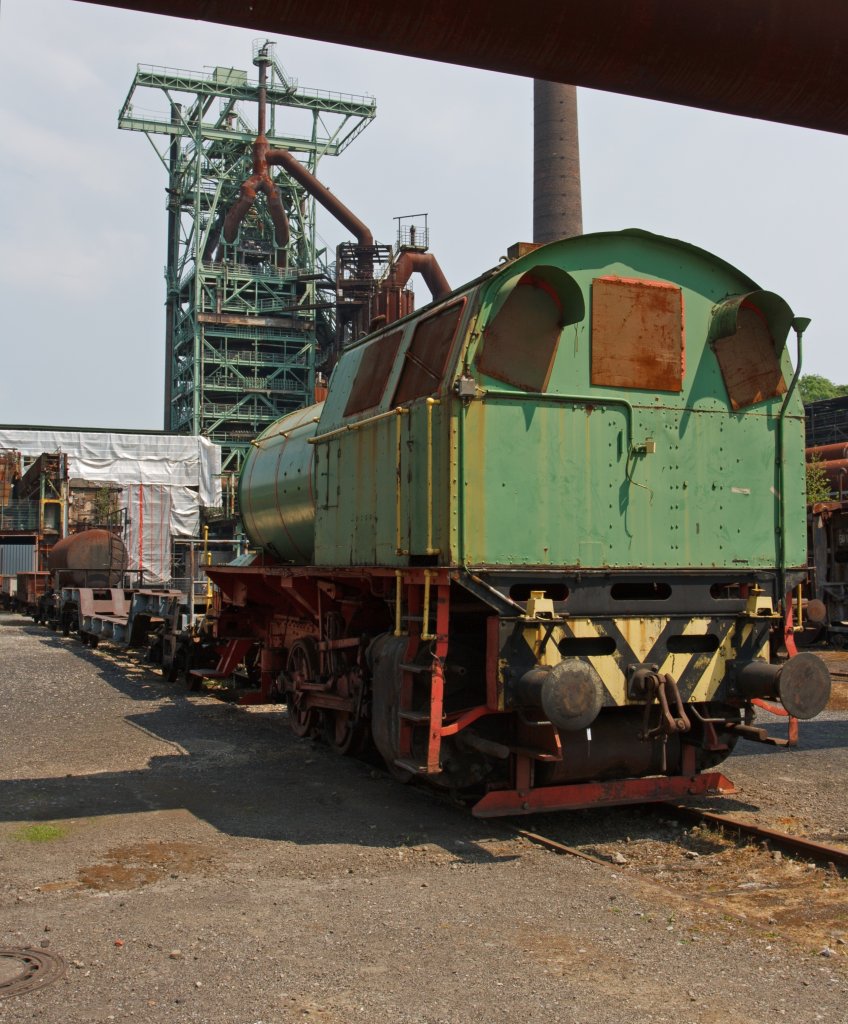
246, 322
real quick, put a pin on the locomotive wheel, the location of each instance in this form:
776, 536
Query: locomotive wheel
303, 721
154, 651
837, 640
167, 656
171, 670
343, 733
341, 729
810, 635
301, 667
185, 661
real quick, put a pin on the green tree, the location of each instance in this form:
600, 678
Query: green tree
818, 485
815, 388
103, 506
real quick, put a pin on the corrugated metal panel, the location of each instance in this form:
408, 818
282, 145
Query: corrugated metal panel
15, 557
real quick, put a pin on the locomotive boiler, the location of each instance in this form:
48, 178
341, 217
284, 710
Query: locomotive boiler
536, 543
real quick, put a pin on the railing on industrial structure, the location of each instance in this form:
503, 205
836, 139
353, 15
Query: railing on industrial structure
19, 516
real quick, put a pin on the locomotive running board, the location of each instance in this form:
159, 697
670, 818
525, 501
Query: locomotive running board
600, 794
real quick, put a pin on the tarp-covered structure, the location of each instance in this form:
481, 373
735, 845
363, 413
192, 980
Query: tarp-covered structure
165, 479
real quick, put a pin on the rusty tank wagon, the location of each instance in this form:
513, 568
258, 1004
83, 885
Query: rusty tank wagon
94, 559
536, 544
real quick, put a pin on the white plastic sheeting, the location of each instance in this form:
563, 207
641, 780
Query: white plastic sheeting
175, 461
155, 515
164, 481
185, 514
148, 533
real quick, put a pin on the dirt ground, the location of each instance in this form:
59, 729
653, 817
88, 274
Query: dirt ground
192, 861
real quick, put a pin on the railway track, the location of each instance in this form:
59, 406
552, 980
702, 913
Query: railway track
793, 846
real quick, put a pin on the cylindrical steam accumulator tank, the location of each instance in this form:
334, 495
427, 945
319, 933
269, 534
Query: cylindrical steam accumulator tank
277, 488
93, 558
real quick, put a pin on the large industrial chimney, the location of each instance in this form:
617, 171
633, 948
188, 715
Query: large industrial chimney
557, 202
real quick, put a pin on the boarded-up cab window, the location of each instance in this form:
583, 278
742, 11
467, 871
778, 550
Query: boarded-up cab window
426, 358
374, 369
748, 360
520, 340
637, 334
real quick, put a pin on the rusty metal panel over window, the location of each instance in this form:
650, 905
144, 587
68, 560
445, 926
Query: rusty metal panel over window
748, 360
374, 369
426, 359
637, 334
520, 343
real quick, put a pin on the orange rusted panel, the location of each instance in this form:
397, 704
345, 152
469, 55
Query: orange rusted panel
370, 382
637, 334
748, 361
521, 342
426, 359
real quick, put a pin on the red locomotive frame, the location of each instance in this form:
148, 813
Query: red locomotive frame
323, 674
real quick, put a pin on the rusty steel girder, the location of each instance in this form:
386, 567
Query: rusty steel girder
780, 60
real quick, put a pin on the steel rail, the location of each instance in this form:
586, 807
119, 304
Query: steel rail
551, 844
796, 846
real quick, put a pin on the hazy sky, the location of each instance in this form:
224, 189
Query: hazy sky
82, 204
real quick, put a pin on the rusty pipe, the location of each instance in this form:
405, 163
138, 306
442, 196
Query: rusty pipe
260, 180
827, 452
282, 232
834, 466
425, 264
236, 213
282, 158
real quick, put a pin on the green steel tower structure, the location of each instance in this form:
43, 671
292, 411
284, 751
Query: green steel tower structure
246, 321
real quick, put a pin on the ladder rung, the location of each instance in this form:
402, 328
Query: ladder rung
415, 716
411, 766
757, 735
536, 755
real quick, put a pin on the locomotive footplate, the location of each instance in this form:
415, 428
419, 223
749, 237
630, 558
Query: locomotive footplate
598, 794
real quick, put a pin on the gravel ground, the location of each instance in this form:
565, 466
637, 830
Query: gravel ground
192, 861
